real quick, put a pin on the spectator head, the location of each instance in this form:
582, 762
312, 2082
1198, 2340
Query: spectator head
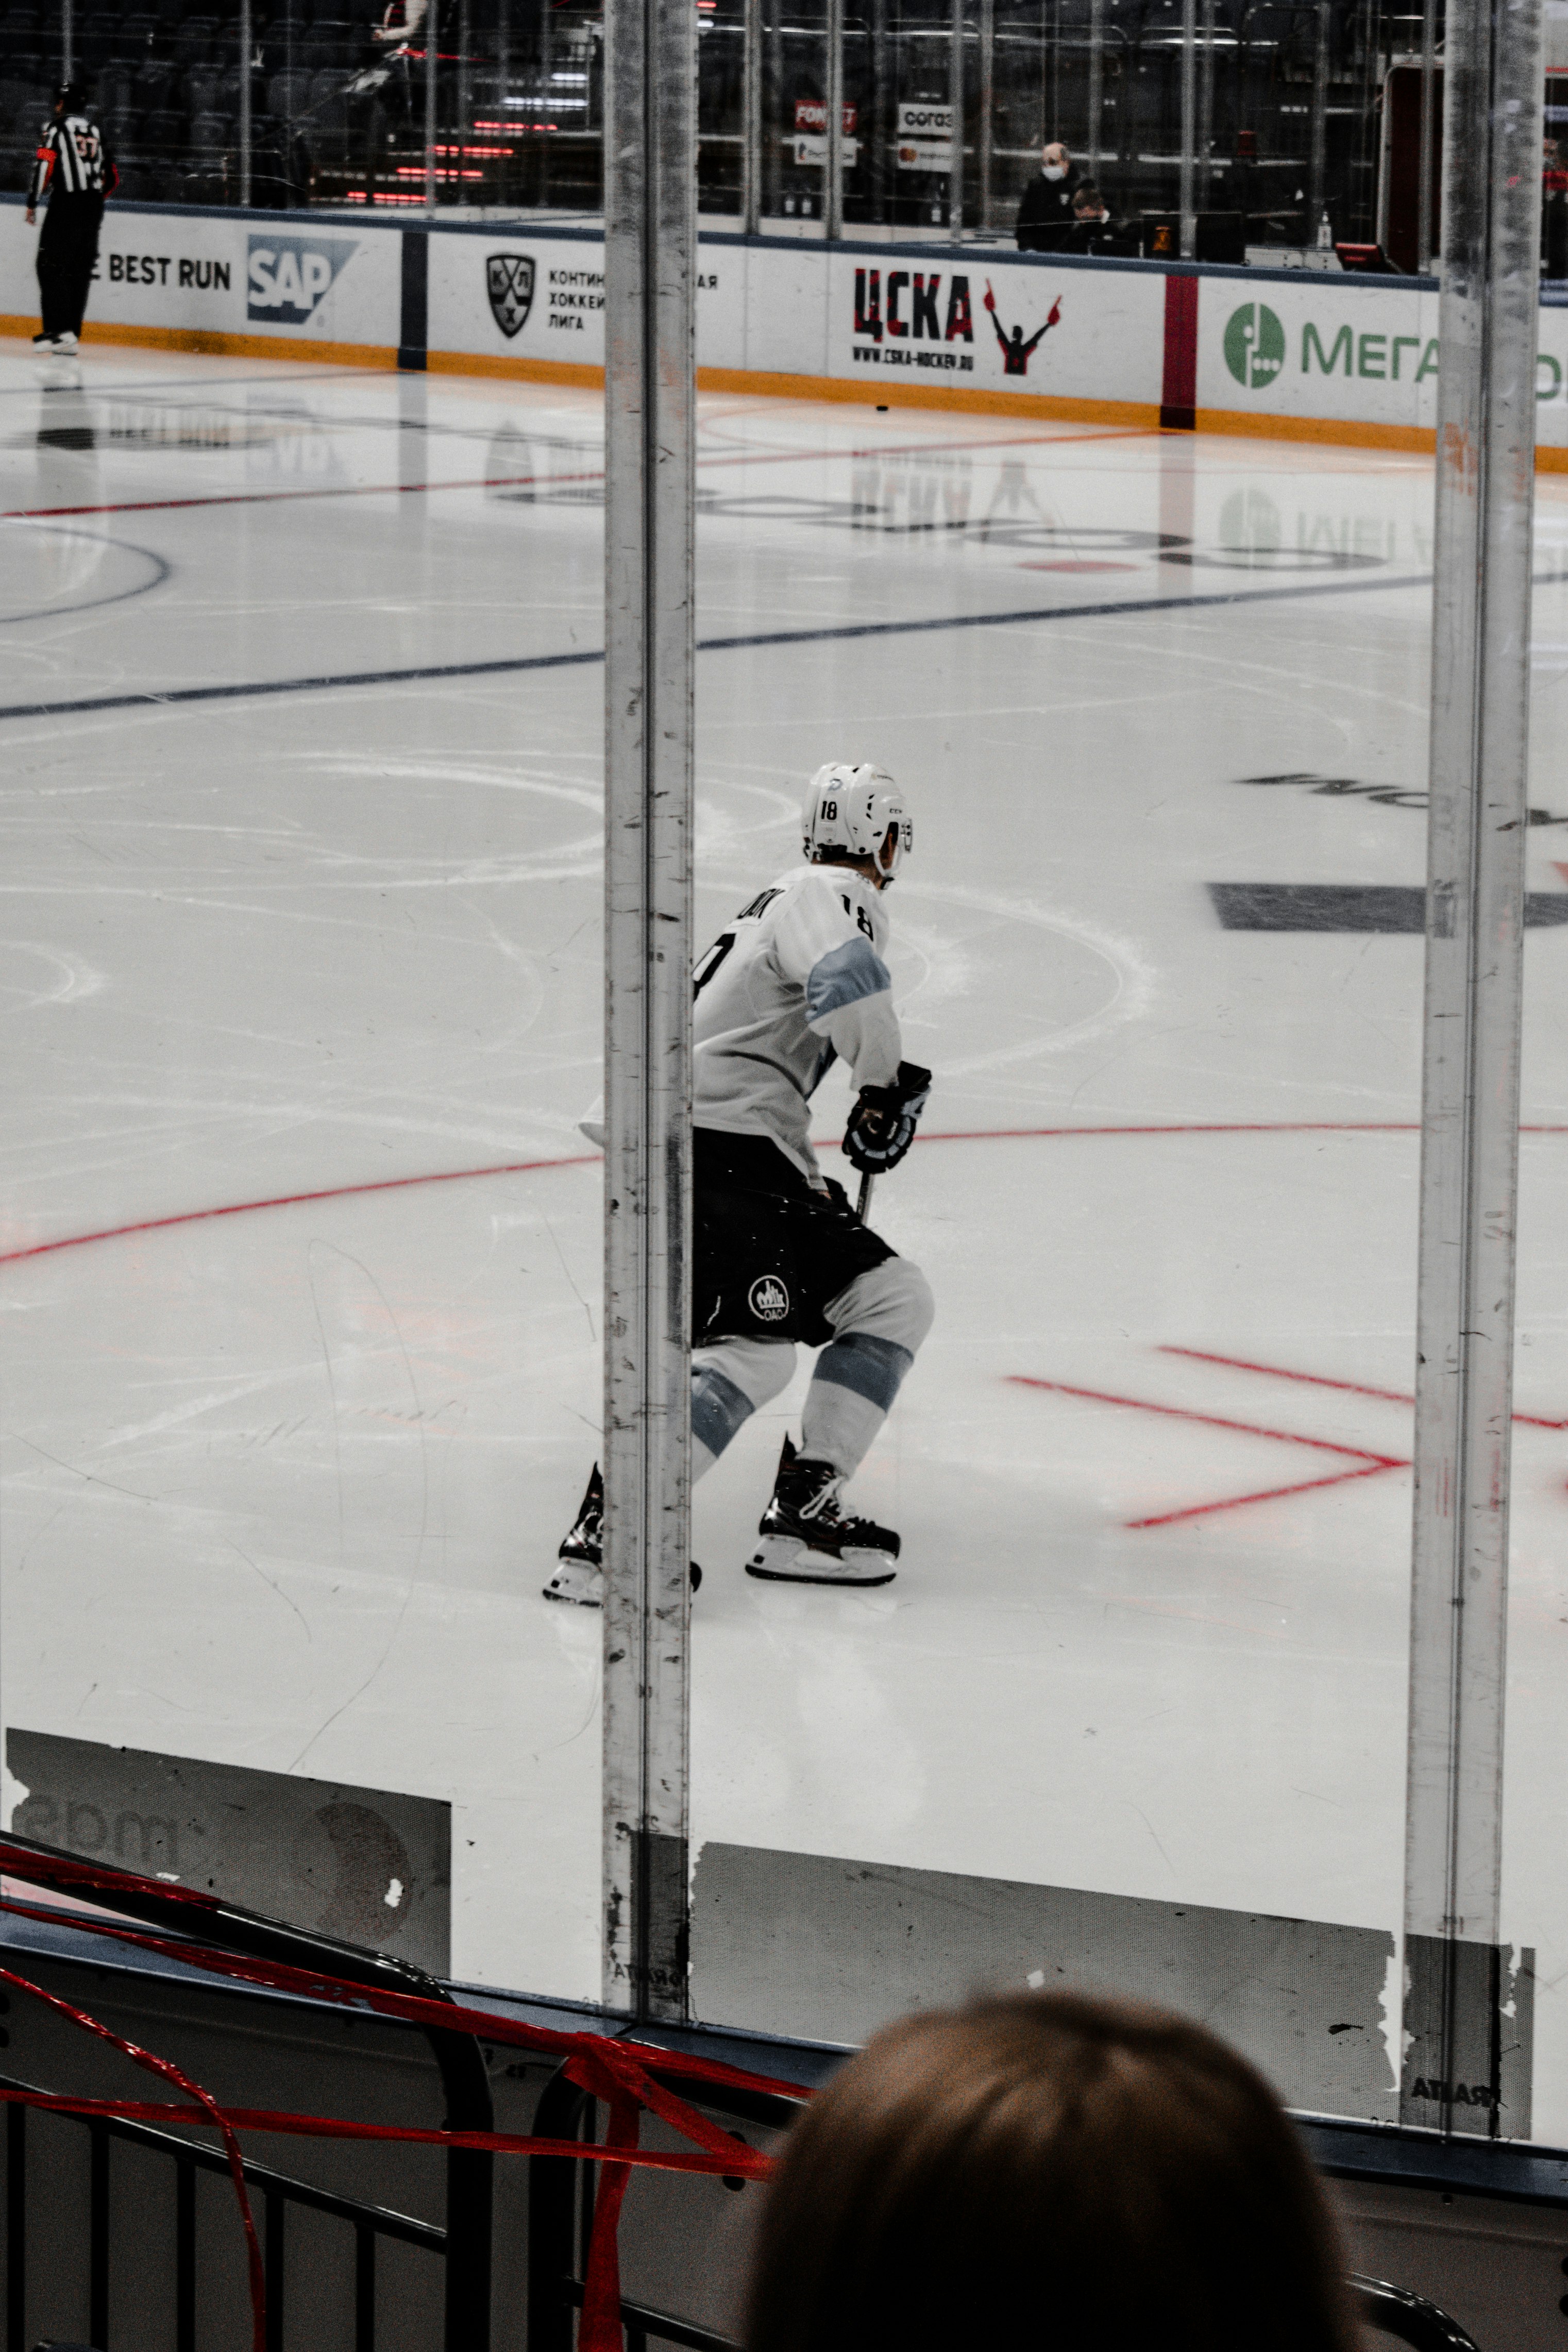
1055, 161
1088, 203
1046, 2169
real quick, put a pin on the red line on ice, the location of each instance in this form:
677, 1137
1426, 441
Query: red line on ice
1373, 1464
587, 1159
1322, 1381
1265, 1495
294, 1201
1213, 1421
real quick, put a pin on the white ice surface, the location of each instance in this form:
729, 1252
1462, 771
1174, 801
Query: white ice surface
281, 1487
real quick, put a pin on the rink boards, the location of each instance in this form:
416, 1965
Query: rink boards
1293, 354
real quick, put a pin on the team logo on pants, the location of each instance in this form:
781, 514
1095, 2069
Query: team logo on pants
768, 1299
509, 279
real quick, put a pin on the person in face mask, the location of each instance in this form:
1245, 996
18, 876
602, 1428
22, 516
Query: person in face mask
1045, 214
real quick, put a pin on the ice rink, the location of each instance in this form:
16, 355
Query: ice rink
300, 975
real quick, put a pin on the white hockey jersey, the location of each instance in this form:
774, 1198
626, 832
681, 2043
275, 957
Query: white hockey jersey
797, 980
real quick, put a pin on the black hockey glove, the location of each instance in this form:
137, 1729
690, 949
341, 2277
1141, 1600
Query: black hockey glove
881, 1124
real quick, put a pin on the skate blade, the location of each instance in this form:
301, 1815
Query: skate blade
785, 1560
575, 1580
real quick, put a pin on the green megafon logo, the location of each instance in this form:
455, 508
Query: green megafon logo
1254, 345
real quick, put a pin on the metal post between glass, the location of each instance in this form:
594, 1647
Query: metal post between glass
1318, 167
1188, 127
649, 420
751, 119
247, 48
431, 46
955, 105
834, 124
1455, 1973
985, 129
1426, 243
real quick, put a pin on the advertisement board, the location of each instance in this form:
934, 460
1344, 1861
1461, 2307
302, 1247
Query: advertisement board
1355, 351
980, 323
506, 295
511, 295
924, 140
1339, 357
1331, 347
206, 273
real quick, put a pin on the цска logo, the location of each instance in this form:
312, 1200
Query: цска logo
1254, 345
510, 283
286, 277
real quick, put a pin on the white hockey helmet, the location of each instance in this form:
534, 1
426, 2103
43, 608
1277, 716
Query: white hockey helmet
856, 809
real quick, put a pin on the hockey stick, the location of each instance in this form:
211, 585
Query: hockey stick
862, 1207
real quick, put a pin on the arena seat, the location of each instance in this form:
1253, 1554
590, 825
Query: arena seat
202, 85
133, 39
164, 131
155, 82
195, 40
289, 93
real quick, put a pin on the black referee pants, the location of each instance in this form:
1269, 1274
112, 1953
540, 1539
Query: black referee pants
67, 248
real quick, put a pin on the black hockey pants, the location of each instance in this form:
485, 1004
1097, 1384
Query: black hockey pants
67, 248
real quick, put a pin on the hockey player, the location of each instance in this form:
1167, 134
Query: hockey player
73, 168
797, 981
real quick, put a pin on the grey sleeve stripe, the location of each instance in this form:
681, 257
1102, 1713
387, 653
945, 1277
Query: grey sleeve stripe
843, 976
869, 1366
718, 1408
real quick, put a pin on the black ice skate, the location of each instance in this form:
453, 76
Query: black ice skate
580, 1565
805, 1539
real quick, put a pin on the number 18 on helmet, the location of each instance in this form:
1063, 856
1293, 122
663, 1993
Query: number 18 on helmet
855, 811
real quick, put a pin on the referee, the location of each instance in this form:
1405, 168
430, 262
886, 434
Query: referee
73, 167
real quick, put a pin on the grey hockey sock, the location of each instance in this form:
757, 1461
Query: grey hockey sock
718, 1408
720, 1403
851, 1395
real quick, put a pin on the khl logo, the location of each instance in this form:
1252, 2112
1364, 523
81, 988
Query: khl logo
1254, 345
510, 283
287, 276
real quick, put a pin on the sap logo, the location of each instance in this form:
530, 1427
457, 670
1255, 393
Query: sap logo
287, 276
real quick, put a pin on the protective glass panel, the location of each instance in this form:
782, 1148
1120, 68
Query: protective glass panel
1130, 1710
794, 111
1534, 1930
301, 1266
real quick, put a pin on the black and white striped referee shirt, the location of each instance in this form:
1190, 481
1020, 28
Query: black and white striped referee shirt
73, 160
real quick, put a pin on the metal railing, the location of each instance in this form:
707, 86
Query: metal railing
560, 2218
276, 2192
1394, 2311
466, 2239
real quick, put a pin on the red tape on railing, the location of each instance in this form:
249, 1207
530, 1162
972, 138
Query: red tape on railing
614, 2070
